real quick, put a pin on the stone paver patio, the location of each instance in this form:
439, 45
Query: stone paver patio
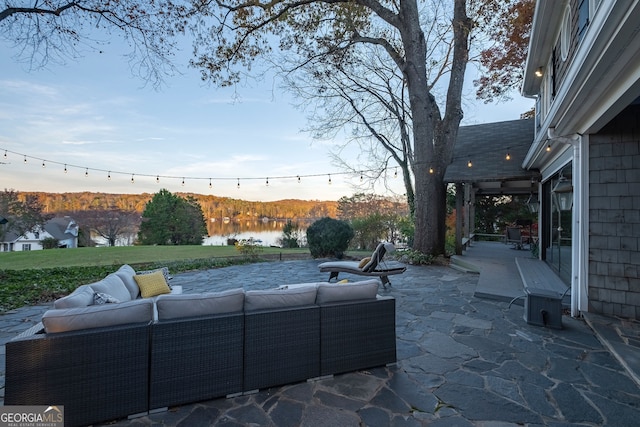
462, 361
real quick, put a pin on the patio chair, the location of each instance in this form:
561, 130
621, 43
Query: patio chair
371, 266
514, 236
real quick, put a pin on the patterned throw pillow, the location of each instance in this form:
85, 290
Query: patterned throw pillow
100, 298
152, 284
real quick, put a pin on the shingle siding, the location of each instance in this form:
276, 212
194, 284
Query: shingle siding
614, 217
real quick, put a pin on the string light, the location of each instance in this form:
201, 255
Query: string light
132, 180
508, 156
548, 148
395, 174
361, 177
469, 164
430, 170
267, 181
298, 178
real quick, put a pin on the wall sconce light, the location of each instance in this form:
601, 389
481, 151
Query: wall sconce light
563, 194
533, 203
539, 72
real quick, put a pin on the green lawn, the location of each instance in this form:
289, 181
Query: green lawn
116, 256
34, 277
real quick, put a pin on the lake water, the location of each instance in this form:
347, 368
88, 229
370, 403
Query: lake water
267, 232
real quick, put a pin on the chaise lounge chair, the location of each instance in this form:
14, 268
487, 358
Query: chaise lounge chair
372, 266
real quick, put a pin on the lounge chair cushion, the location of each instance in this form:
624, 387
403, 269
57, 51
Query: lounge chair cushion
152, 284
96, 316
173, 306
114, 286
280, 298
334, 292
81, 297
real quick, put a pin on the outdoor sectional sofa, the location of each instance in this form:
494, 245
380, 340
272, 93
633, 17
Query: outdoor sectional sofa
104, 362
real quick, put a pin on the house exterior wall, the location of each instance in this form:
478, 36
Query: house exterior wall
614, 217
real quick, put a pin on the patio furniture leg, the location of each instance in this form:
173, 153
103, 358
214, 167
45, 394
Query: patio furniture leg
385, 281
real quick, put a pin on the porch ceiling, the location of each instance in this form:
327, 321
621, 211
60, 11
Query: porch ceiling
486, 147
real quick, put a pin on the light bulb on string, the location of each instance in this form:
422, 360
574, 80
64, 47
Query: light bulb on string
5, 154
430, 169
25, 159
329, 179
86, 173
65, 168
132, 180
238, 186
157, 179
210, 184
508, 156
469, 164
548, 148
299, 179
395, 174
43, 165
183, 181
267, 183
361, 177
109, 176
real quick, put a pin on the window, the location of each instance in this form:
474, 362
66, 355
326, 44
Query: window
565, 34
26, 246
583, 18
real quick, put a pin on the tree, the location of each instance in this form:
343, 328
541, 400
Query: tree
330, 33
110, 223
23, 213
172, 220
55, 30
291, 234
508, 24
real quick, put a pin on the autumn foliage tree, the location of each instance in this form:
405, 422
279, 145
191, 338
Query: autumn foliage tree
508, 25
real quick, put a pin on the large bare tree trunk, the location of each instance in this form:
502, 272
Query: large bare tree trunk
434, 137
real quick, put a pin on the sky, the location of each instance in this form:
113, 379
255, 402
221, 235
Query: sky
95, 117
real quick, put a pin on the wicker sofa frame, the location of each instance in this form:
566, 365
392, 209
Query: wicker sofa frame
109, 373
